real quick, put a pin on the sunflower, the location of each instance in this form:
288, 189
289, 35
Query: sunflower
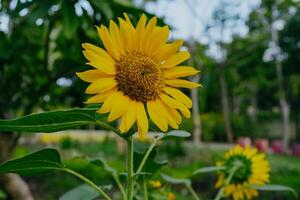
137, 75
254, 170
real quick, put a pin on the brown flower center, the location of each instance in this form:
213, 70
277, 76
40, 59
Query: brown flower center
139, 76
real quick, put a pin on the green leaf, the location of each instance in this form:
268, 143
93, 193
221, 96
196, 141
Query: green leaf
178, 133
50, 121
208, 169
280, 188
176, 181
152, 165
82, 192
35, 163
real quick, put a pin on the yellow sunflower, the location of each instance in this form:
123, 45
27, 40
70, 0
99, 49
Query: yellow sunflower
254, 170
137, 75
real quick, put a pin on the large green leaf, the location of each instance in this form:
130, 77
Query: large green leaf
279, 188
82, 192
50, 121
208, 169
175, 181
35, 163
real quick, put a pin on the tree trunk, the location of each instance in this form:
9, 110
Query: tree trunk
13, 184
284, 106
196, 114
225, 105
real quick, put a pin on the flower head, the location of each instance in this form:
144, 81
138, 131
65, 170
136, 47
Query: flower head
137, 75
254, 170
155, 184
171, 196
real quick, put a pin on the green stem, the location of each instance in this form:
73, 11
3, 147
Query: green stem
99, 190
192, 191
143, 162
220, 194
120, 186
145, 189
129, 168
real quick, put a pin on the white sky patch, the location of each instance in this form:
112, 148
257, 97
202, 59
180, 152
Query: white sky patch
190, 18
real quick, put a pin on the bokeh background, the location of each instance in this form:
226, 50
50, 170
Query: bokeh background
248, 52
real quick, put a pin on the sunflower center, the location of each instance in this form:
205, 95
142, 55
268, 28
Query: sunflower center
139, 76
244, 171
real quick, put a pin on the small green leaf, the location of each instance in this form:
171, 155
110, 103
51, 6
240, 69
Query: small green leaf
82, 192
35, 163
176, 181
280, 188
208, 169
50, 121
178, 133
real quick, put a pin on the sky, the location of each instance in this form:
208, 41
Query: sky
190, 17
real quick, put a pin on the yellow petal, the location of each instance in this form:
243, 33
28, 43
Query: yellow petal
175, 104
119, 108
101, 52
91, 75
142, 120
176, 59
126, 35
180, 71
128, 21
148, 31
182, 83
139, 33
179, 96
158, 37
156, 117
106, 40
115, 37
99, 98
101, 85
164, 111
109, 103
123, 125
168, 50
99, 62
131, 114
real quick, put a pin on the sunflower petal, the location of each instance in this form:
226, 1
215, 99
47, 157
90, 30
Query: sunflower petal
119, 108
107, 42
176, 59
99, 98
91, 75
182, 83
180, 71
156, 117
101, 85
142, 120
179, 96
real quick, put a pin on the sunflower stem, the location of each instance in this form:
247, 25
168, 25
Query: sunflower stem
129, 141
145, 189
236, 166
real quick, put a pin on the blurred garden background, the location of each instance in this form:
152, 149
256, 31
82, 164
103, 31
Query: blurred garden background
248, 52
